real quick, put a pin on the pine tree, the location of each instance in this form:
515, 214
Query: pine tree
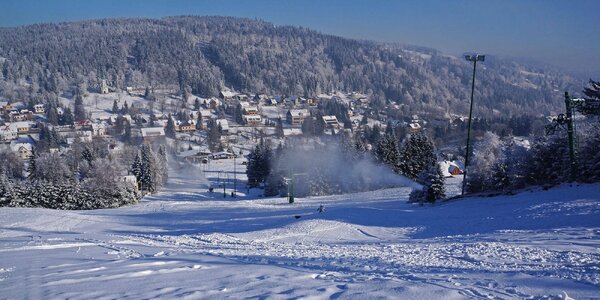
499, 177
199, 121
364, 121
52, 116
170, 128
433, 189
415, 155
125, 108
279, 128
127, 134
386, 150
79, 111
259, 164
136, 167
115, 107
119, 125
593, 91
88, 154
238, 116
163, 164
214, 136
8, 194
149, 170
67, 117
147, 94
31, 168
308, 126
196, 104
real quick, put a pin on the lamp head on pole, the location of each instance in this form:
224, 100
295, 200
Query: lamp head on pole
474, 57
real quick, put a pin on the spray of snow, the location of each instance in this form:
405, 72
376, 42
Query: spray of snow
326, 170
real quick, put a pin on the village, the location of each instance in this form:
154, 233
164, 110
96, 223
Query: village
135, 116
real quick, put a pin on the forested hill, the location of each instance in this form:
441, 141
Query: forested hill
206, 54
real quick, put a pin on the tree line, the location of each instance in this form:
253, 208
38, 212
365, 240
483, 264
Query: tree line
84, 177
202, 55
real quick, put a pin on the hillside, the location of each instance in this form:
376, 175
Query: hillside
185, 242
203, 55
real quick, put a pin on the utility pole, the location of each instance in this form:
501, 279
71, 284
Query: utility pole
474, 58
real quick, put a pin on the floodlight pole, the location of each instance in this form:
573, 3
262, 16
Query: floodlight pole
474, 58
571, 134
234, 174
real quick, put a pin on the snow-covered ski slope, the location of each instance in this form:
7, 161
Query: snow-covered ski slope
187, 243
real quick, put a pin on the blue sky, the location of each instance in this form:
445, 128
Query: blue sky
563, 33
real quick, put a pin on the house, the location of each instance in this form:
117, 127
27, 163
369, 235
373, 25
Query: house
113, 118
100, 116
82, 124
224, 125
103, 87
250, 110
227, 95
187, 126
72, 137
222, 155
289, 132
297, 116
212, 103
21, 127
450, 168
99, 129
130, 179
5, 106
414, 127
23, 150
206, 115
270, 102
150, 134
8, 132
331, 122
20, 116
253, 120
363, 102
39, 109
455, 170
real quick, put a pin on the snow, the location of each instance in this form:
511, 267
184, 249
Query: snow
186, 242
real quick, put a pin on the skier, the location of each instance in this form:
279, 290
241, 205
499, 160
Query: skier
321, 208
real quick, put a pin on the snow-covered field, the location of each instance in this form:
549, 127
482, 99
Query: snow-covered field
189, 243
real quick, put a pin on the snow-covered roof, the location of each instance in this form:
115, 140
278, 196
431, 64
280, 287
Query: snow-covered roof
415, 125
186, 123
448, 166
16, 146
251, 108
188, 153
205, 113
299, 112
23, 124
252, 117
100, 115
224, 124
153, 131
292, 131
228, 94
330, 119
